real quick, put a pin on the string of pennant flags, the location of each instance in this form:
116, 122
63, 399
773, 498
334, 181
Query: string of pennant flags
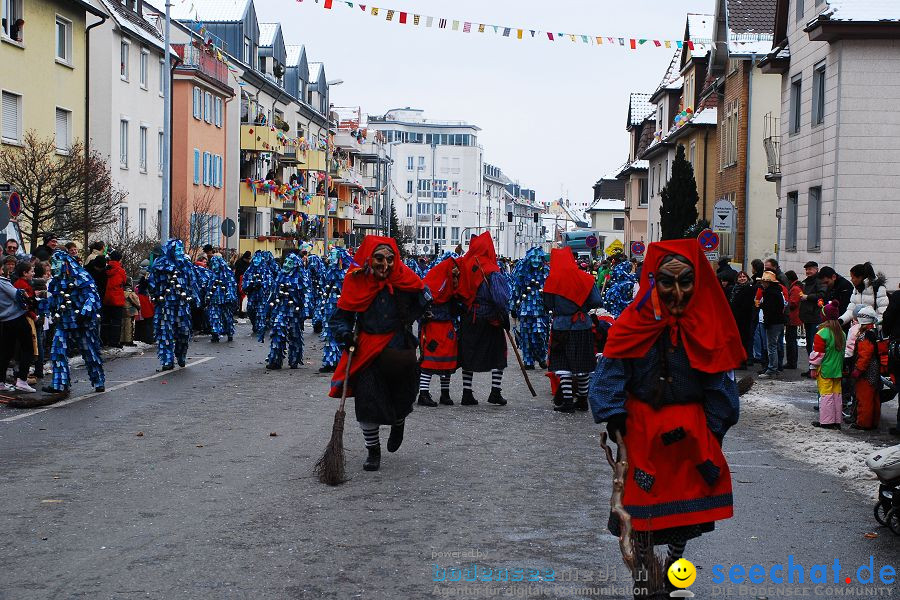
416, 20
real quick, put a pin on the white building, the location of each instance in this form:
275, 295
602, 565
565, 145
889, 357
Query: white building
126, 117
436, 179
839, 167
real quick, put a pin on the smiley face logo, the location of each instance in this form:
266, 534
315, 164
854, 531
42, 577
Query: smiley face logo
682, 573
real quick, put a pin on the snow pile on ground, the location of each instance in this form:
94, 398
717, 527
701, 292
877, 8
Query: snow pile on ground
112, 354
793, 436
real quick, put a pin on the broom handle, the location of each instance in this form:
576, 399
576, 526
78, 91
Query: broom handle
350, 352
512, 343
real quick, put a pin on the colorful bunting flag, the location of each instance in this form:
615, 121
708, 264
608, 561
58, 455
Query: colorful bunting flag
416, 19
374, 11
550, 36
328, 3
506, 32
467, 27
481, 28
429, 21
442, 24
519, 34
403, 18
455, 25
390, 15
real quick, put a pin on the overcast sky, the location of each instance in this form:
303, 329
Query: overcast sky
552, 114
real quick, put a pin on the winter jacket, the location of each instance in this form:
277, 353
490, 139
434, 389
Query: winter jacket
841, 292
871, 295
814, 289
13, 302
97, 270
115, 284
22, 284
794, 305
132, 304
773, 300
891, 323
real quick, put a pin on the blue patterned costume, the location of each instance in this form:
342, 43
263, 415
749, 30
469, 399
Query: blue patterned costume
620, 289
316, 269
257, 285
332, 282
414, 265
174, 285
74, 305
221, 299
289, 306
528, 303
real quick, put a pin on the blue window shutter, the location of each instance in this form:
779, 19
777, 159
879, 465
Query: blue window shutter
196, 166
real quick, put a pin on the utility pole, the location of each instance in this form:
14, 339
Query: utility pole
167, 132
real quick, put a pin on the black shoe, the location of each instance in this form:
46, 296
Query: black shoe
806, 374
894, 431
529, 367
497, 398
326, 370
396, 437
581, 403
181, 362
565, 407
468, 398
168, 367
373, 461
445, 399
790, 367
294, 366
557, 398
230, 338
543, 365
424, 400
49, 389
100, 389
272, 367
214, 339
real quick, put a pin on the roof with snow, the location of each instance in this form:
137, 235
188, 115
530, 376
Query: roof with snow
315, 71
637, 165
293, 55
213, 11
751, 16
607, 204
639, 108
267, 33
862, 10
672, 80
700, 31
144, 29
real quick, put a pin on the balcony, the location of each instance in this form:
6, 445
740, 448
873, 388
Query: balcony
260, 138
202, 60
772, 144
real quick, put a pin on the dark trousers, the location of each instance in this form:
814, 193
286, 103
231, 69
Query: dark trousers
111, 327
15, 336
790, 335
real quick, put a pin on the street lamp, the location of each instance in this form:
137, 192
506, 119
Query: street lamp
387, 185
328, 85
433, 150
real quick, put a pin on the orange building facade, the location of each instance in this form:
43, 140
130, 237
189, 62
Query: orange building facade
200, 92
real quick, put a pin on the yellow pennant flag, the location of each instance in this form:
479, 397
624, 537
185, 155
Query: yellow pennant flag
374, 11
481, 28
599, 40
519, 34
572, 37
668, 44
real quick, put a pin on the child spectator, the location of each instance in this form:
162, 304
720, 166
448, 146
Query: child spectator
826, 362
867, 371
132, 311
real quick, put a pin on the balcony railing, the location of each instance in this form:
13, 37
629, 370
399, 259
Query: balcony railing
203, 61
772, 144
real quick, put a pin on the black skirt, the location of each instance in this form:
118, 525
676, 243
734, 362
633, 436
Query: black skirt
572, 351
482, 346
386, 389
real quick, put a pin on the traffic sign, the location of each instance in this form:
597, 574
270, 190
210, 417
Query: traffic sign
637, 248
15, 205
228, 227
709, 240
591, 241
615, 247
724, 216
712, 256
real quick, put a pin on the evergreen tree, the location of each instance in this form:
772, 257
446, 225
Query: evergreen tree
678, 211
397, 232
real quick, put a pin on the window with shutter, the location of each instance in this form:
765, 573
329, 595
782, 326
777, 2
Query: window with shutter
198, 99
207, 107
205, 168
143, 149
196, 167
11, 119
63, 118
123, 143
160, 151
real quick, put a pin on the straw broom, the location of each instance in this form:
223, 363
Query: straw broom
330, 468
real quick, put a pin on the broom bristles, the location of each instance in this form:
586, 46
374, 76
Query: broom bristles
330, 468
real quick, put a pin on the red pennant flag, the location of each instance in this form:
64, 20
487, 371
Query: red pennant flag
403, 18
690, 45
657, 43
550, 35
328, 3
362, 7
633, 43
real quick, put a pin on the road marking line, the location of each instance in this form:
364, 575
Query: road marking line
93, 394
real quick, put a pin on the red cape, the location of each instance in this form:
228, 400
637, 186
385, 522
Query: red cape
566, 279
361, 287
481, 254
440, 281
707, 328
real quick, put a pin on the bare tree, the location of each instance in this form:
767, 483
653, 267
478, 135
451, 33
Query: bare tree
134, 248
192, 220
66, 193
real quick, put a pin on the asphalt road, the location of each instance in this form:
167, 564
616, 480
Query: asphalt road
172, 486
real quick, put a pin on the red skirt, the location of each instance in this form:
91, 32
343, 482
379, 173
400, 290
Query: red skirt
439, 346
677, 474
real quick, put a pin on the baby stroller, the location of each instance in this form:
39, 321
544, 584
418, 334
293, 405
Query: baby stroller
885, 463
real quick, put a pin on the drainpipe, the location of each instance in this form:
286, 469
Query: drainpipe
705, 169
87, 121
747, 166
837, 164
225, 178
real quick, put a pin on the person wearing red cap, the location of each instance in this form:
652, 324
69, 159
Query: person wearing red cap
665, 385
380, 300
482, 343
569, 293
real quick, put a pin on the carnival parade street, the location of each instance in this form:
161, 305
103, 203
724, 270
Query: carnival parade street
198, 483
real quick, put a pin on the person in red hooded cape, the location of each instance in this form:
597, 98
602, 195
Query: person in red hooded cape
665, 384
482, 342
380, 300
438, 336
569, 294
